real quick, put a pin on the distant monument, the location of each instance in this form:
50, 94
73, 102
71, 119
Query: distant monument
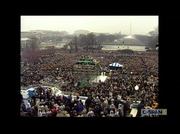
130, 40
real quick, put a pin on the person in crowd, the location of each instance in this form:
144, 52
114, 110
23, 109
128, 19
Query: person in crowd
121, 110
90, 113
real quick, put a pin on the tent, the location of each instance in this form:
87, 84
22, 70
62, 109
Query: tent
28, 93
24, 94
31, 92
116, 65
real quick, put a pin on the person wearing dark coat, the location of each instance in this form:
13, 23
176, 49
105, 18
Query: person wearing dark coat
88, 103
79, 108
139, 107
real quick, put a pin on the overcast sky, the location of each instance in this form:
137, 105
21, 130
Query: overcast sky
100, 24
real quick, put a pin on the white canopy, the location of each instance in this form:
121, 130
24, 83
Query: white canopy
31, 89
115, 64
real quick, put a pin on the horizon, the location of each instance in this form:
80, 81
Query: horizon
82, 29
96, 24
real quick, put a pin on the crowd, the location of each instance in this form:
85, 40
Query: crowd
111, 98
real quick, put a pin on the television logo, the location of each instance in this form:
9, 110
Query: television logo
153, 111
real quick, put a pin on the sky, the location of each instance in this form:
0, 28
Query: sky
99, 24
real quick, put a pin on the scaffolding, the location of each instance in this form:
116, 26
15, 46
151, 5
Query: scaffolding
85, 70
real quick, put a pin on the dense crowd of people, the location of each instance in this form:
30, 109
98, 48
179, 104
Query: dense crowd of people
112, 98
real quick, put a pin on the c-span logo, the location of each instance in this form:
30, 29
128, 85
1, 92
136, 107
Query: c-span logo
153, 111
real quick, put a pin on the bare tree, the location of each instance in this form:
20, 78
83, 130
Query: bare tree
153, 38
83, 41
33, 43
75, 43
91, 41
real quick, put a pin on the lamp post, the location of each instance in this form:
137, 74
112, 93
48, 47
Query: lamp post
136, 88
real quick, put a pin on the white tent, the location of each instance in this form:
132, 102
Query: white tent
115, 64
31, 89
26, 93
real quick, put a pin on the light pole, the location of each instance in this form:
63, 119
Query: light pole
136, 88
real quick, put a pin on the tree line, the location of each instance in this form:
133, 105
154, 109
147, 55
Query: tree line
91, 41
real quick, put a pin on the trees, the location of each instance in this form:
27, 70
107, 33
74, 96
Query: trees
33, 44
154, 32
91, 41
88, 42
100, 39
82, 40
74, 42
143, 38
153, 41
